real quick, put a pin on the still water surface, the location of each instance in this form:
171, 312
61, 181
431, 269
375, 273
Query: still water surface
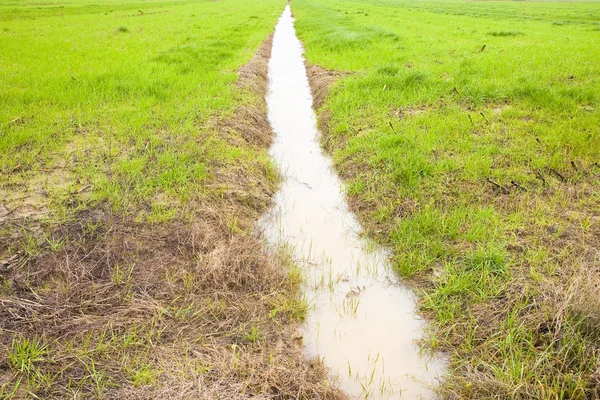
362, 321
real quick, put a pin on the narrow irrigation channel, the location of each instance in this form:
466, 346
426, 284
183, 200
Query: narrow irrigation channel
362, 322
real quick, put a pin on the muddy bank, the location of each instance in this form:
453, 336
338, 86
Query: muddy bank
251, 119
319, 81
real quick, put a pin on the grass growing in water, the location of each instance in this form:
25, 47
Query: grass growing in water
468, 136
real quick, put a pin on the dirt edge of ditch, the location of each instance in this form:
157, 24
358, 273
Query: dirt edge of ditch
320, 81
104, 306
251, 119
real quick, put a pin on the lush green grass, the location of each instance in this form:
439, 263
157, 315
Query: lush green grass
122, 96
468, 135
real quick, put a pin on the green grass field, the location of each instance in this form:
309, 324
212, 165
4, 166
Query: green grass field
126, 89
468, 135
133, 165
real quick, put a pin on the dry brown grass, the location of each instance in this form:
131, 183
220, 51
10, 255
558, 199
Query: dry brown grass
251, 120
104, 306
191, 308
320, 81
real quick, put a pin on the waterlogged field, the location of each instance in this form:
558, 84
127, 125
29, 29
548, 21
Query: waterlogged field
133, 164
468, 135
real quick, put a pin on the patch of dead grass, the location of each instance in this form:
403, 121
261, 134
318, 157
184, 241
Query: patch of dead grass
251, 119
179, 300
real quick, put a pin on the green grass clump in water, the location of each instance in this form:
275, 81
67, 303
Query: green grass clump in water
468, 136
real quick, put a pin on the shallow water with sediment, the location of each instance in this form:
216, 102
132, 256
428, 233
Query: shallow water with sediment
362, 321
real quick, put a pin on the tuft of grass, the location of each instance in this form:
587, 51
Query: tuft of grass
122, 29
505, 33
141, 374
254, 335
25, 354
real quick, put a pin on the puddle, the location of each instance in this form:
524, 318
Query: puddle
361, 322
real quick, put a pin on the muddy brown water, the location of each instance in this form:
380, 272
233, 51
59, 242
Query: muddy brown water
361, 321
